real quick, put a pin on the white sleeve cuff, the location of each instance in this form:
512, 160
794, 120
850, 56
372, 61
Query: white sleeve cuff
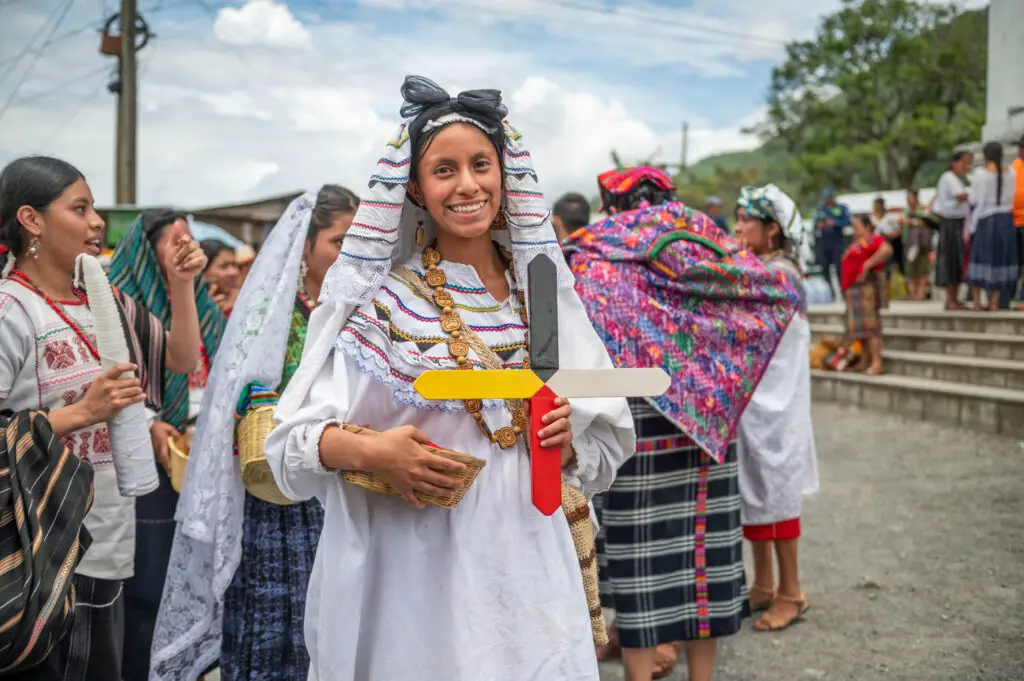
310, 460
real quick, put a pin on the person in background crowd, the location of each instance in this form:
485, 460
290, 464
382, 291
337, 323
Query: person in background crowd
778, 459
888, 225
918, 242
859, 280
713, 209
670, 547
951, 206
252, 621
830, 219
221, 273
995, 254
1018, 212
245, 256
570, 212
140, 268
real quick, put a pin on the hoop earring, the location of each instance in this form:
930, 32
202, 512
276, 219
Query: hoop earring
33, 248
500, 221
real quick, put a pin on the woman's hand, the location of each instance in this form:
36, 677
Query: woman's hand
558, 430
161, 434
109, 394
187, 258
398, 458
863, 276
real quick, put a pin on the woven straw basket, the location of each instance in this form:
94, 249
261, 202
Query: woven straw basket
577, 512
179, 459
257, 477
370, 482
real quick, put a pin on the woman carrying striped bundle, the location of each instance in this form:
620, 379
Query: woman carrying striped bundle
50, 360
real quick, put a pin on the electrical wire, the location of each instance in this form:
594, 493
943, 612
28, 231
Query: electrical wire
35, 58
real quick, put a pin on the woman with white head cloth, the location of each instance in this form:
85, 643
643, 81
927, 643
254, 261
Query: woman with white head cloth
491, 588
778, 460
236, 584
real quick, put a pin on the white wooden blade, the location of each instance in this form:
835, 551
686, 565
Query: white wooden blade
609, 382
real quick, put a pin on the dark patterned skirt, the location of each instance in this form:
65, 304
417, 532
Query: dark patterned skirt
995, 254
670, 549
154, 537
265, 606
862, 318
951, 255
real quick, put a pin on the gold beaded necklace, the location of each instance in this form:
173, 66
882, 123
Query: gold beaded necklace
458, 347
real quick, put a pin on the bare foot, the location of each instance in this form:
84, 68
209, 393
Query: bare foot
874, 370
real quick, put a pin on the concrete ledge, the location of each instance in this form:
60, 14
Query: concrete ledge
994, 410
993, 373
984, 345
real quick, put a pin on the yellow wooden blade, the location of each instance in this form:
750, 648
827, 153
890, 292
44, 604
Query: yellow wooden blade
479, 384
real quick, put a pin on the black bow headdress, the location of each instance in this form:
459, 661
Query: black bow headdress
423, 95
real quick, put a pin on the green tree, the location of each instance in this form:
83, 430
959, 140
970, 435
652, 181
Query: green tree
884, 88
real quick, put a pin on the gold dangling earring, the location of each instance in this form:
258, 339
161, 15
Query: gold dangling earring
500, 222
419, 233
33, 248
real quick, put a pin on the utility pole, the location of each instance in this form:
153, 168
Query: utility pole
127, 134
686, 136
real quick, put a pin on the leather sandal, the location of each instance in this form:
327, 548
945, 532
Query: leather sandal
665, 657
772, 622
766, 599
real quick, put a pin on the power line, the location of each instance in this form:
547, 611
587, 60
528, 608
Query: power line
35, 58
53, 136
663, 21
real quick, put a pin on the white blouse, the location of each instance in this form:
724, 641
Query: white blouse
488, 590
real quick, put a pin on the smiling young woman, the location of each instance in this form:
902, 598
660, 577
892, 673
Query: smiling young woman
49, 360
490, 588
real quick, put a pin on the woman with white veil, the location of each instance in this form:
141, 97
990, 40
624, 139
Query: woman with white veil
238, 556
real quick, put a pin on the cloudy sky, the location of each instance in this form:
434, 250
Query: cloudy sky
246, 98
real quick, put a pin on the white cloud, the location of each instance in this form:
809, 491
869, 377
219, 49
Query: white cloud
220, 124
261, 22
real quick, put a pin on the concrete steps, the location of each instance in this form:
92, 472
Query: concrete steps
991, 373
962, 343
956, 368
900, 317
994, 410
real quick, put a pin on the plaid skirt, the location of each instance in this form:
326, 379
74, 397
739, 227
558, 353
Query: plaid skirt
670, 549
265, 606
862, 318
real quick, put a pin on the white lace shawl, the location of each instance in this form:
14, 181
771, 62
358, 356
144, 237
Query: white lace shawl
207, 540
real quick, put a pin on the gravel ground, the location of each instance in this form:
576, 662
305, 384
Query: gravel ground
913, 561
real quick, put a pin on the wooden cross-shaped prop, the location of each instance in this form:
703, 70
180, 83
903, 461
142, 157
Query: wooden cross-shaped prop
542, 382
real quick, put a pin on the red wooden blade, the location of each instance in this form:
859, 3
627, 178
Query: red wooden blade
545, 463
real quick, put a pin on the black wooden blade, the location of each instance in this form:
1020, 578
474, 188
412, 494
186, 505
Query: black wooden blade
543, 309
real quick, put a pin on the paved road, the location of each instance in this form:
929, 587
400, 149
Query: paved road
913, 561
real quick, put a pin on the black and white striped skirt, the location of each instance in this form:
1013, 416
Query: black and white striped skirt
670, 550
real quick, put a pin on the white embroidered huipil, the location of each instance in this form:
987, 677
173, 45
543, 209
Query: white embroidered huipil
45, 365
490, 589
